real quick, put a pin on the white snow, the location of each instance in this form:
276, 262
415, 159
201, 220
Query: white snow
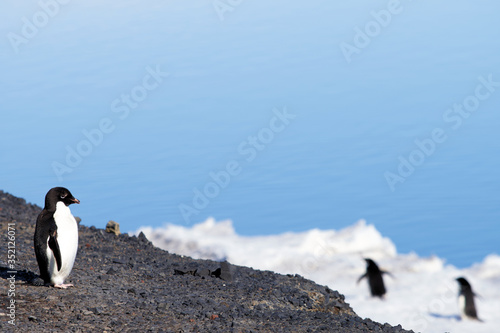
422, 295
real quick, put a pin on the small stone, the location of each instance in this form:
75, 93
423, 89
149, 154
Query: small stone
142, 238
204, 272
96, 310
113, 227
226, 274
32, 318
111, 271
119, 261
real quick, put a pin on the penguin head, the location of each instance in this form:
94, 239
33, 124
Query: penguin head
463, 283
371, 266
59, 194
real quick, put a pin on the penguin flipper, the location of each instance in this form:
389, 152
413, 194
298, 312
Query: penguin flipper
54, 246
388, 273
361, 277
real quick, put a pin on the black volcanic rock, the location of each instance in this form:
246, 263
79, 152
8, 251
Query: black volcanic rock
124, 283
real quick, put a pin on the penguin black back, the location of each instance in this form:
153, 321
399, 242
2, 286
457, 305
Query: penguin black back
466, 299
375, 279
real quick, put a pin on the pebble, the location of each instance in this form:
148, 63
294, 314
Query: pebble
113, 227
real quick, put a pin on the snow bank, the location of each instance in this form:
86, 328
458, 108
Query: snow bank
422, 295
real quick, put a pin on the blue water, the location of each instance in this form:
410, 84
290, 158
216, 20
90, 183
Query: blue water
351, 116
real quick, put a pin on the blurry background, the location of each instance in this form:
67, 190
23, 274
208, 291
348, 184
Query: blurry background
68, 68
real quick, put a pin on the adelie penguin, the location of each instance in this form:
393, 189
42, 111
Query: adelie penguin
375, 279
56, 238
466, 300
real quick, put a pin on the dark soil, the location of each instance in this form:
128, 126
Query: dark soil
126, 284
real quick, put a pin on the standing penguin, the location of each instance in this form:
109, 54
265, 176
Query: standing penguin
56, 238
466, 300
375, 280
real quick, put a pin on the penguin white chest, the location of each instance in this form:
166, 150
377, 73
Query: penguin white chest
67, 238
461, 306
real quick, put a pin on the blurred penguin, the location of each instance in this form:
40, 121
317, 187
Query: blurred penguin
466, 300
375, 279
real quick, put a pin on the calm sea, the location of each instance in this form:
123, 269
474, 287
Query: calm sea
279, 116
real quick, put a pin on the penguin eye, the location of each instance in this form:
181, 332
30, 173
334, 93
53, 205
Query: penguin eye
63, 196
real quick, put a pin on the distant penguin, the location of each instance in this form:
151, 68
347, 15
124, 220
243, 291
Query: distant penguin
375, 280
56, 238
466, 300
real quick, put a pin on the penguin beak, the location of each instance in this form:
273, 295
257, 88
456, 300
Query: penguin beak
75, 200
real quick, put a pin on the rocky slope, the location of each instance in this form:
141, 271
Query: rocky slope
125, 284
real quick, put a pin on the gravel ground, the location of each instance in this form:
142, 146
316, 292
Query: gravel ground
126, 284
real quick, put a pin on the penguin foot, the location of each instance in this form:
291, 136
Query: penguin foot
63, 286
